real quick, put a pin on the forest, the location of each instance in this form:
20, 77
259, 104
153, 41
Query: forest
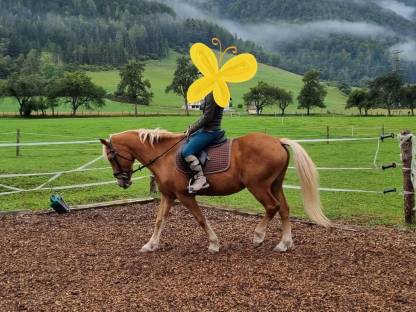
110, 33
103, 32
361, 50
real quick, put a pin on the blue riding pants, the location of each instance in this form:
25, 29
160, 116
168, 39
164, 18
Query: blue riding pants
199, 141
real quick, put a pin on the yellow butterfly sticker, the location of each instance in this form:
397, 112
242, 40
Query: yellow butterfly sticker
240, 68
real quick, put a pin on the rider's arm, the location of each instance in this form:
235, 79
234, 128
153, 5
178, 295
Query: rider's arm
207, 116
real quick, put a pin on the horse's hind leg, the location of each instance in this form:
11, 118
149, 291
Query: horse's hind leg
271, 204
286, 242
153, 243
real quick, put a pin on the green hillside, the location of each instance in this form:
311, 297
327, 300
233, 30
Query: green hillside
160, 74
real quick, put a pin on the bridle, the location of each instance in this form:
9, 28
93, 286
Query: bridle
125, 175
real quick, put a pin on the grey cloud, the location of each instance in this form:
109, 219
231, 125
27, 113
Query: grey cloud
286, 32
272, 34
397, 7
408, 50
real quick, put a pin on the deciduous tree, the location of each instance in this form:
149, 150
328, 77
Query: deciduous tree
133, 87
359, 98
260, 96
284, 99
386, 90
185, 74
78, 90
408, 97
313, 92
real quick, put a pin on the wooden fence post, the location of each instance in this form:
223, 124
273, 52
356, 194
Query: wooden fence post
327, 134
17, 142
153, 185
408, 189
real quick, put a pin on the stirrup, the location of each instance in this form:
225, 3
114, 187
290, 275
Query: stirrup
191, 191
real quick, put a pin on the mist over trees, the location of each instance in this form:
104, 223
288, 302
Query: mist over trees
103, 32
348, 41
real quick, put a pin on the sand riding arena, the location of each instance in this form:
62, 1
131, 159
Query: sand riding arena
89, 260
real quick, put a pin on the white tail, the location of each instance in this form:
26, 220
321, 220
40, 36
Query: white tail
309, 180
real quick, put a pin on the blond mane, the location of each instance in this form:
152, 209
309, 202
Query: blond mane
146, 135
154, 135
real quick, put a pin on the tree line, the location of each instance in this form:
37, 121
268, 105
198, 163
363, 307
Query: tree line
38, 84
388, 91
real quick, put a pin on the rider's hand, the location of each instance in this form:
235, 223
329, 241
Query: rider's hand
187, 132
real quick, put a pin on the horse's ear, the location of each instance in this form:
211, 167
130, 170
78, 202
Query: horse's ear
104, 142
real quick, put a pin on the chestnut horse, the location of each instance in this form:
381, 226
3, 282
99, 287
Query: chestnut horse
258, 163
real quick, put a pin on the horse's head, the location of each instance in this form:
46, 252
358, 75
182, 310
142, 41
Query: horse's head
121, 161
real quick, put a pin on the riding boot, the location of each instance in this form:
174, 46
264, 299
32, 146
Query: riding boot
199, 179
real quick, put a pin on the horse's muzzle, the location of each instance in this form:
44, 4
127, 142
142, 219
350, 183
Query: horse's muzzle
124, 183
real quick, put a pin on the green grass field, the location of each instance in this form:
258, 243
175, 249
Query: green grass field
354, 207
160, 74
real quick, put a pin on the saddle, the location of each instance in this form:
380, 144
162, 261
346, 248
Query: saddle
215, 158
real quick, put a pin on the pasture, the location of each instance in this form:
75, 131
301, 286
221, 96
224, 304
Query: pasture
364, 208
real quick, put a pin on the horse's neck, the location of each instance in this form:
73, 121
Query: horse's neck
145, 152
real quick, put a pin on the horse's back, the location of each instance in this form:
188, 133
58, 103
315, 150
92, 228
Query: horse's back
260, 154
256, 144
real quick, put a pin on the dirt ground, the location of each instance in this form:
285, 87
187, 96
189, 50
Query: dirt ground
90, 261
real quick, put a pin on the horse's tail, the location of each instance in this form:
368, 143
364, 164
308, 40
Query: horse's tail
309, 180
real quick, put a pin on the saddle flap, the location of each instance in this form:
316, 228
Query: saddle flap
215, 159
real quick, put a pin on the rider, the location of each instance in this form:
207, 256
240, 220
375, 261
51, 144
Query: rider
201, 134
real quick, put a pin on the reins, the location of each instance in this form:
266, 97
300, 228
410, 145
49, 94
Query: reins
158, 157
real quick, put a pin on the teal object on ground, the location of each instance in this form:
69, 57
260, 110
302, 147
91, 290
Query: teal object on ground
59, 205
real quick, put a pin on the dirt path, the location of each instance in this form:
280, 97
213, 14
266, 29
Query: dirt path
90, 261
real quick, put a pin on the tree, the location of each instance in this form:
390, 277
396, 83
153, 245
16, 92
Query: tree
386, 90
344, 87
133, 86
408, 97
360, 99
40, 103
284, 99
6, 66
78, 90
24, 88
312, 93
185, 74
260, 96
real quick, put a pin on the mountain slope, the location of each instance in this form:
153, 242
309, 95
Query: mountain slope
346, 40
103, 32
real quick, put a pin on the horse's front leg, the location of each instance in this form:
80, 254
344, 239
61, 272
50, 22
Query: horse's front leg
190, 203
165, 205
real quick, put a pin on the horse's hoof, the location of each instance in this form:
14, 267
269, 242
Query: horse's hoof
257, 243
214, 249
283, 247
149, 248
258, 239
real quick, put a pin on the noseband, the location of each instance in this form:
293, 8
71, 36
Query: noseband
113, 155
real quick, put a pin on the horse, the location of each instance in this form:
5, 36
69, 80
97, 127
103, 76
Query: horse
258, 162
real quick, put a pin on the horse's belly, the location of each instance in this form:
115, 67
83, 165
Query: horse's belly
222, 184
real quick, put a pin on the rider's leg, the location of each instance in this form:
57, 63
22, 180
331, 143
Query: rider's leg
200, 181
193, 147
